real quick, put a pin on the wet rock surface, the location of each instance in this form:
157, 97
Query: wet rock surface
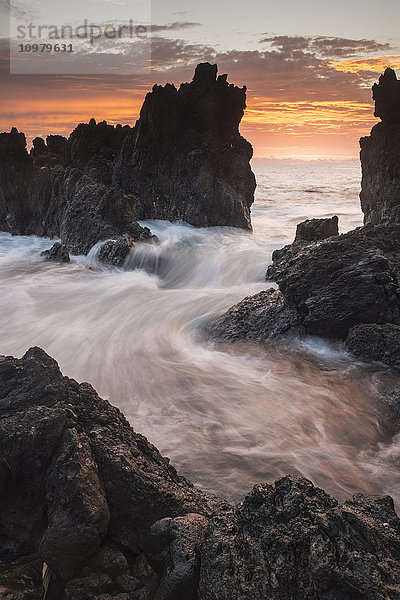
261, 317
95, 501
57, 253
375, 342
183, 160
313, 230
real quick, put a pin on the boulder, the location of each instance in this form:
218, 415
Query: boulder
261, 317
57, 253
313, 230
342, 281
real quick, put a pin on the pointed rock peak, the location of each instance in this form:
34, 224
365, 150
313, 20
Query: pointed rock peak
205, 74
92, 122
388, 75
386, 94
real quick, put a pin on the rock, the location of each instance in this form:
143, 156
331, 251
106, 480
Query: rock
291, 540
375, 342
75, 480
114, 252
57, 253
341, 281
386, 94
173, 550
380, 155
314, 230
80, 490
183, 160
261, 317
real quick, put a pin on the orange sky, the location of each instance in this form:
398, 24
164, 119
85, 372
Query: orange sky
297, 120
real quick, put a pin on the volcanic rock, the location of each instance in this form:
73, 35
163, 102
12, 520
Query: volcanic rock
184, 160
380, 155
261, 317
57, 253
291, 540
112, 519
375, 342
313, 230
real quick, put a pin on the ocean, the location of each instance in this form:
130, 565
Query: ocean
228, 416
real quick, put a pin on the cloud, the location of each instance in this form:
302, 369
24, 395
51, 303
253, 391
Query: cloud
312, 90
176, 26
325, 47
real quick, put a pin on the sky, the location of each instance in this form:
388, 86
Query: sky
308, 66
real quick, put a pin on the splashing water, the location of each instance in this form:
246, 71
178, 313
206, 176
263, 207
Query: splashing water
227, 416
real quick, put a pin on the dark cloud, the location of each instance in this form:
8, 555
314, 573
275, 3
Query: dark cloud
176, 26
325, 47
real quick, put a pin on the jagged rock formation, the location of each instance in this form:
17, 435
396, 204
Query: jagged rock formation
380, 155
84, 493
57, 253
183, 160
313, 230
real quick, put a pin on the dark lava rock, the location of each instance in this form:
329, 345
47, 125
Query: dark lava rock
375, 342
291, 540
114, 252
183, 160
380, 155
342, 281
314, 230
261, 317
57, 253
112, 519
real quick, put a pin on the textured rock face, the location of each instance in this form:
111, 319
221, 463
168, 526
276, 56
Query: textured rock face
81, 491
57, 253
291, 540
184, 160
342, 281
375, 342
314, 230
261, 317
380, 155
77, 482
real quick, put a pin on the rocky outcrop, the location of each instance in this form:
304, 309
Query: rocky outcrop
94, 507
342, 281
380, 155
183, 160
375, 342
57, 253
79, 488
313, 230
291, 540
261, 317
